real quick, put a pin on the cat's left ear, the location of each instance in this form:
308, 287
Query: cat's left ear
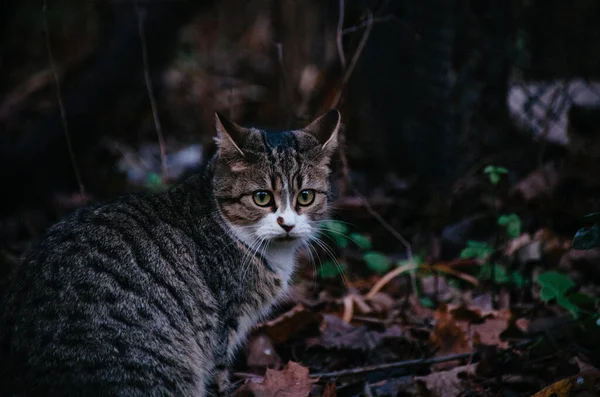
230, 136
326, 129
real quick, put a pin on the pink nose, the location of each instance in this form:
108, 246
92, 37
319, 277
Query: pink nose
281, 222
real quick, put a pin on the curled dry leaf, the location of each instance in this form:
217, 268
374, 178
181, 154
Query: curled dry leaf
292, 381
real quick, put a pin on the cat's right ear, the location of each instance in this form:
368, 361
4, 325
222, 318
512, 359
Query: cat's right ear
230, 136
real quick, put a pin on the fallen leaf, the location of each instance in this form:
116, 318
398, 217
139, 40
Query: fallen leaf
445, 383
292, 381
448, 334
588, 381
339, 335
282, 328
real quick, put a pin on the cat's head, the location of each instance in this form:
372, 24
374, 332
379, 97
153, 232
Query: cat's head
273, 187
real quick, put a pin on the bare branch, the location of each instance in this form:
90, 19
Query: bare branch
141, 14
354, 61
63, 112
340, 27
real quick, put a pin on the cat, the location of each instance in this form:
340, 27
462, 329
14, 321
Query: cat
151, 294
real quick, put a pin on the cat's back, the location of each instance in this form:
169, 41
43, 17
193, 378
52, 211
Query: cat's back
108, 299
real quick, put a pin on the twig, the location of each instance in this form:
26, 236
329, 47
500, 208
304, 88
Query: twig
386, 225
141, 14
354, 28
354, 61
340, 27
389, 277
348, 308
395, 365
63, 112
285, 88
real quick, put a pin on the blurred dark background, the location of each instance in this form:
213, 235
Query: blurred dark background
431, 92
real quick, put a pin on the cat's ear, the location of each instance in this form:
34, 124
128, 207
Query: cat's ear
230, 136
326, 129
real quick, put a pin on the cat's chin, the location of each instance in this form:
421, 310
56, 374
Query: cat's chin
286, 241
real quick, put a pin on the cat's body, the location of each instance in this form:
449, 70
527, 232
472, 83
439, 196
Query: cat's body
150, 295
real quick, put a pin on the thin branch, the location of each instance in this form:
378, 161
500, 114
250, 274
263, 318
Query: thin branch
340, 27
141, 15
63, 112
354, 61
385, 224
363, 25
395, 365
389, 277
285, 87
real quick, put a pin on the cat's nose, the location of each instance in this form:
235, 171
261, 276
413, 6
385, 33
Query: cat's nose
281, 222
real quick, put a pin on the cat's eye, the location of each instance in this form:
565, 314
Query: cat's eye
262, 198
306, 197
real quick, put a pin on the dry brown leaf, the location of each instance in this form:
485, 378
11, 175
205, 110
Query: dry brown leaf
292, 381
448, 334
489, 332
282, 328
584, 384
445, 383
339, 335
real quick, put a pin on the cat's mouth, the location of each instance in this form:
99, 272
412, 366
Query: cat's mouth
286, 238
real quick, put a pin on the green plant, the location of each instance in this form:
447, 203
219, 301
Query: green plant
512, 223
494, 173
477, 250
338, 233
559, 287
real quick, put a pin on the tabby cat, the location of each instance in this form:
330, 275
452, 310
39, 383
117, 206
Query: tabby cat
151, 294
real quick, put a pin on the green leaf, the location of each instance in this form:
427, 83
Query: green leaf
554, 285
340, 241
582, 300
337, 232
501, 275
377, 262
598, 321
335, 227
494, 173
587, 238
328, 269
568, 305
476, 249
512, 222
361, 240
426, 302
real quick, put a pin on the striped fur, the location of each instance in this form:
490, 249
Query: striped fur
151, 294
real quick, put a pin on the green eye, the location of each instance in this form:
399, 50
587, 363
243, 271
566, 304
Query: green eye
262, 198
306, 197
